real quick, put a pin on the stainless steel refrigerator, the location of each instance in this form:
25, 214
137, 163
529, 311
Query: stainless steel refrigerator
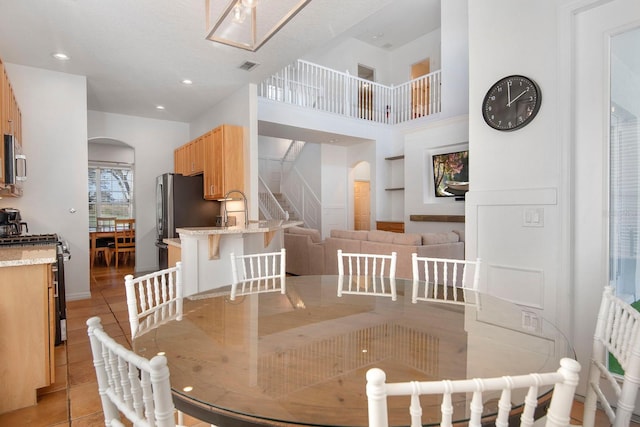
180, 203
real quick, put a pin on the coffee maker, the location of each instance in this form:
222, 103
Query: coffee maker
11, 223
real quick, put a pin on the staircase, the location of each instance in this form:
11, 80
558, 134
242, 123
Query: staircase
284, 204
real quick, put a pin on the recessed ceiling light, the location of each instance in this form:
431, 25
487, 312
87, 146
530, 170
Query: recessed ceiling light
186, 82
159, 107
61, 56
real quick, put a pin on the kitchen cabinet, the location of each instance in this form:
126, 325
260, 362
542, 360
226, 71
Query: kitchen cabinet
188, 159
10, 115
27, 331
223, 161
174, 255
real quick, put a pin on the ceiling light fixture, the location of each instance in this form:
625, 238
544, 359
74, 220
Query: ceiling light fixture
159, 107
61, 56
186, 82
248, 24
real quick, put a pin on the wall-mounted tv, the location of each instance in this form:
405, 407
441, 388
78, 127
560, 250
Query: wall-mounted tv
451, 174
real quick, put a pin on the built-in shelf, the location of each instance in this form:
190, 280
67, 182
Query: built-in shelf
437, 218
395, 157
395, 189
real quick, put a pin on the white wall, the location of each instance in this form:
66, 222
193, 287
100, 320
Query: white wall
54, 129
101, 152
437, 137
346, 56
402, 58
455, 47
153, 142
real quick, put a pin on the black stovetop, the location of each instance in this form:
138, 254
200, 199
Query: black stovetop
28, 239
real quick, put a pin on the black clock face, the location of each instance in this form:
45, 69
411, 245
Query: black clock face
511, 103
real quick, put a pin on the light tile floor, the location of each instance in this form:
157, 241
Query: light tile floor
73, 400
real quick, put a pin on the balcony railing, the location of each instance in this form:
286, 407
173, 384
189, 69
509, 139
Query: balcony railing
314, 86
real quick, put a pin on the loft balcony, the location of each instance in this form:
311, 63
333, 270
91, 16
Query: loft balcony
313, 86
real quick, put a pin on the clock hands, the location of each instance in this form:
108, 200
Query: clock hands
508, 94
514, 99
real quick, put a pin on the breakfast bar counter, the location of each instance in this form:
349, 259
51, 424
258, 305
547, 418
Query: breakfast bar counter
206, 250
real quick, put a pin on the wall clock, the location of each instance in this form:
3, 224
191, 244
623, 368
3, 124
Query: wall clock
511, 103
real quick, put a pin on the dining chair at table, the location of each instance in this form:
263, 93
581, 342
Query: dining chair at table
124, 239
130, 384
564, 380
442, 279
364, 264
617, 333
154, 298
256, 273
103, 245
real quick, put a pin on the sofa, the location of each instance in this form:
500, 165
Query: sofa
306, 251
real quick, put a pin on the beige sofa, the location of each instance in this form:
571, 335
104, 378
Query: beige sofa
305, 249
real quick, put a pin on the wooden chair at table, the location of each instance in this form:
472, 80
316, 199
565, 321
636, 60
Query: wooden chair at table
104, 244
617, 333
367, 274
125, 239
443, 280
564, 380
256, 273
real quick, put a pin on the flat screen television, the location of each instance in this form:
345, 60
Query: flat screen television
451, 174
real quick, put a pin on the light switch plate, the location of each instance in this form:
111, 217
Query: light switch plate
533, 217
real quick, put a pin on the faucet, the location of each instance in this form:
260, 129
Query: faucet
225, 215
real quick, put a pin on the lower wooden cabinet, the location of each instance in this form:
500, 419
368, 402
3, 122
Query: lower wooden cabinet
174, 255
27, 334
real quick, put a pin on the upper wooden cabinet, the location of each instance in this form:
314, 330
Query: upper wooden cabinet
10, 115
223, 161
189, 158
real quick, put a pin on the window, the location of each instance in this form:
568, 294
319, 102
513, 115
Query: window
110, 192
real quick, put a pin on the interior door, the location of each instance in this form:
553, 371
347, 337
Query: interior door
420, 89
362, 208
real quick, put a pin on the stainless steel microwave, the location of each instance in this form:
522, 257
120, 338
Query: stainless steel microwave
15, 167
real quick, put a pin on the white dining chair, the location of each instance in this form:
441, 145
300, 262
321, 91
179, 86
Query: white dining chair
257, 273
617, 333
154, 298
130, 384
564, 380
443, 279
367, 285
363, 264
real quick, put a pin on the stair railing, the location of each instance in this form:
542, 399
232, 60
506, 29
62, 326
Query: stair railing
314, 86
268, 203
302, 199
289, 158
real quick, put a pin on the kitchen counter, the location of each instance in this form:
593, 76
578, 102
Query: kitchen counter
172, 242
27, 255
253, 227
206, 250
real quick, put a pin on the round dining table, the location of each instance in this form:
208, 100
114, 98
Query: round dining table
299, 356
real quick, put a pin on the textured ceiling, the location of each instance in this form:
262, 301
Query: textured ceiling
135, 52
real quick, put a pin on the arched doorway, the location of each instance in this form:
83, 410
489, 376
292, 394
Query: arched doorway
110, 195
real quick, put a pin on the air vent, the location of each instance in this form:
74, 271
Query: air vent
248, 65
387, 46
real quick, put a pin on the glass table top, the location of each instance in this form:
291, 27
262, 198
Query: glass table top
301, 357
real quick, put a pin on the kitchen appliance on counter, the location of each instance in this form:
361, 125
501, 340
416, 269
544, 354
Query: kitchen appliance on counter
62, 254
180, 203
15, 167
11, 223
